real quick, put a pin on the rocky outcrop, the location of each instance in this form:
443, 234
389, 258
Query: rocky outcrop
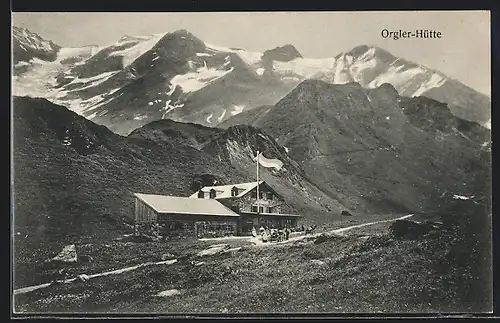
407, 229
67, 255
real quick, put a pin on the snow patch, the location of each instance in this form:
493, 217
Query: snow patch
77, 52
395, 77
132, 53
286, 149
150, 103
219, 48
202, 54
260, 71
194, 81
139, 117
360, 67
92, 81
168, 293
461, 197
250, 58
222, 115
113, 91
237, 109
21, 63
435, 81
169, 107
172, 89
303, 67
210, 118
488, 124
66, 141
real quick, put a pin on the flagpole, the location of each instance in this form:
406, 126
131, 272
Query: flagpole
258, 201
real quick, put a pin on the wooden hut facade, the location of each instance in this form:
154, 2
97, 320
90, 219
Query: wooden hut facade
215, 211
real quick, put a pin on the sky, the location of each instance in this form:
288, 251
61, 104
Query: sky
463, 51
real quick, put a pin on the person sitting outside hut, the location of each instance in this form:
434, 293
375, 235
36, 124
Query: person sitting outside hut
274, 234
265, 236
287, 233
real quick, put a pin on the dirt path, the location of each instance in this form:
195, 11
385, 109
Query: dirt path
370, 223
258, 242
85, 277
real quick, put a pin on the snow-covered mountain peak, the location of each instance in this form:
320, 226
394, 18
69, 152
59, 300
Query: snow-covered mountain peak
27, 38
284, 53
176, 75
28, 45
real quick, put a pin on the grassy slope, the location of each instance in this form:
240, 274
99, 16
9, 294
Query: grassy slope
79, 193
75, 194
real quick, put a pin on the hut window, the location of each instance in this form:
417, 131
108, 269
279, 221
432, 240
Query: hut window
234, 191
201, 194
213, 194
261, 209
254, 194
260, 195
270, 209
254, 208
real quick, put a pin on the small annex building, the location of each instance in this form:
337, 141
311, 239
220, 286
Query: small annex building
215, 211
182, 216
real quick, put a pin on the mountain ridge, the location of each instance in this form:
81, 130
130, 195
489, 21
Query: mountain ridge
353, 140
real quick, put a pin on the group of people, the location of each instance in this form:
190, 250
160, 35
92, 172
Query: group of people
281, 234
273, 234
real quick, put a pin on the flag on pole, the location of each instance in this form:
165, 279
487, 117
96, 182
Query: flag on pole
268, 163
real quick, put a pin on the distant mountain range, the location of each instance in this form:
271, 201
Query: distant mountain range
177, 76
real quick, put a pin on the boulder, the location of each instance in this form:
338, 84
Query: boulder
169, 293
167, 256
222, 245
326, 237
345, 213
406, 229
213, 250
231, 251
67, 255
317, 262
83, 277
197, 263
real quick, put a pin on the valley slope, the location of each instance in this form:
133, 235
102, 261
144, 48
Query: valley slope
74, 179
